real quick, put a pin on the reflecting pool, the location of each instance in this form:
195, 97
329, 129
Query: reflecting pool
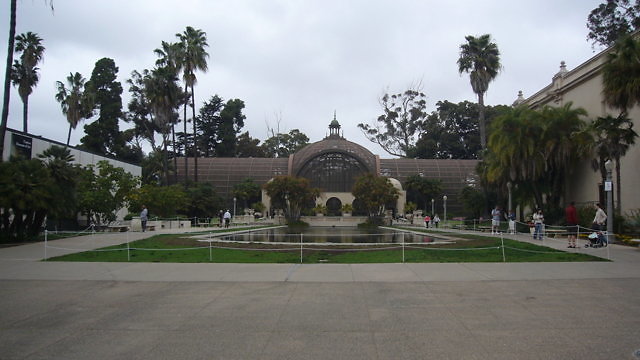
337, 235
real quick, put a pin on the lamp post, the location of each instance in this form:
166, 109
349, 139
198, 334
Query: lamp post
509, 186
234, 206
608, 188
432, 209
444, 203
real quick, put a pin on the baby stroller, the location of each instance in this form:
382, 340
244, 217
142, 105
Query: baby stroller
596, 240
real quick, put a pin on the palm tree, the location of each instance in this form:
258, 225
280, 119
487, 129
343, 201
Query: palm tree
24, 74
7, 75
164, 97
194, 42
75, 102
481, 59
613, 138
621, 75
170, 57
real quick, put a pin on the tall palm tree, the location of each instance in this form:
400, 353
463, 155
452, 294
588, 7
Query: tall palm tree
75, 102
24, 74
194, 42
613, 138
7, 75
481, 59
170, 58
165, 97
621, 75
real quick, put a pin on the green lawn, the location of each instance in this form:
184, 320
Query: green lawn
177, 248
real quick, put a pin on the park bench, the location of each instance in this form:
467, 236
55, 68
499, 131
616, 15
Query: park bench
118, 228
554, 232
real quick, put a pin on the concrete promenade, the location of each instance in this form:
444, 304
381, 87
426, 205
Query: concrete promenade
56, 310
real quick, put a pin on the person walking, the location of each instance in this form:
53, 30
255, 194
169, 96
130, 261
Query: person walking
221, 218
571, 218
538, 223
427, 221
227, 218
144, 216
600, 219
436, 220
495, 219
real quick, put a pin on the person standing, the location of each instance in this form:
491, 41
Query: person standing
144, 216
571, 218
227, 218
221, 218
538, 223
600, 219
495, 219
512, 222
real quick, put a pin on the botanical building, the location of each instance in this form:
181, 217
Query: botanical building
333, 165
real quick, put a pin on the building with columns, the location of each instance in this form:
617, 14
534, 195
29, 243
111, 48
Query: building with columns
582, 86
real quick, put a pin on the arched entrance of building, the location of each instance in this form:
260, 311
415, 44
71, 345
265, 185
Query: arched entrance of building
334, 206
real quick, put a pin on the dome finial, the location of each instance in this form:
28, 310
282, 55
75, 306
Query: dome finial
334, 127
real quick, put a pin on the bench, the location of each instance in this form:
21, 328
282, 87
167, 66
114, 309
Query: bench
118, 228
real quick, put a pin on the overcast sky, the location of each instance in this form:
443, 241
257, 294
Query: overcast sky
298, 61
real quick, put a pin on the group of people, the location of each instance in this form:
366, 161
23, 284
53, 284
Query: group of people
571, 220
431, 221
225, 218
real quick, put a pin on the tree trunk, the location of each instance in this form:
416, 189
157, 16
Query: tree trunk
195, 137
175, 154
7, 76
25, 113
186, 164
68, 137
618, 197
481, 122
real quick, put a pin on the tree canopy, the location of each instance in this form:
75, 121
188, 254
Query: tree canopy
611, 20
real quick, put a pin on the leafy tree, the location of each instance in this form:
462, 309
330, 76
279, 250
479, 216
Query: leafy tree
103, 136
613, 138
474, 201
103, 189
283, 145
421, 190
24, 73
202, 200
162, 201
401, 123
139, 110
219, 124
76, 103
481, 59
291, 193
194, 58
374, 192
248, 146
612, 20
247, 191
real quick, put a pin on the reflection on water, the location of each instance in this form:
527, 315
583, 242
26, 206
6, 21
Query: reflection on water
336, 235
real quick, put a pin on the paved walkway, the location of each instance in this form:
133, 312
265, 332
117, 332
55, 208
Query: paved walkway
55, 310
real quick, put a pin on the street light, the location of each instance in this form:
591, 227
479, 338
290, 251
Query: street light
509, 186
608, 187
234, 207
444, 202
432, 209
